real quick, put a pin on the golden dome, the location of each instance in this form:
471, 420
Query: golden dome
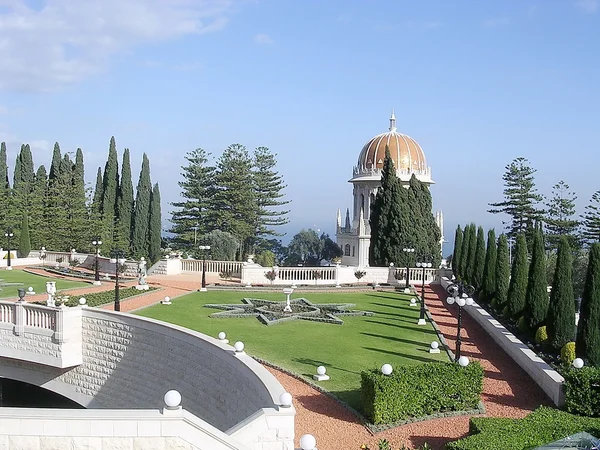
407, 154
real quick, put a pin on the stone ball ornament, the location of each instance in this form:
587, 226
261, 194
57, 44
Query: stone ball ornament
172, 399
222, 335
285, 399
321, 370
308, 442
239, 346
434, 345
82, 301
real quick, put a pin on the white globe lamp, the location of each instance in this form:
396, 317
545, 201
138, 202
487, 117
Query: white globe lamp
387, 369
578, 363
463, 361
285, 400
308, 442
239, 346
172, 399
222, 335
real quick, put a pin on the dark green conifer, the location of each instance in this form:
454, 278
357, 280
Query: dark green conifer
536, 298
110, 186
479, 264
141, 214
588, 330
155, 226
125, 205
24, 242
464, 253
502, 271
489, 269
458, 238
518, 278
561, 310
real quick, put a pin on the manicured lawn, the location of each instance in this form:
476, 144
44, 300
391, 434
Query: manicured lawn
390, 336
37, 282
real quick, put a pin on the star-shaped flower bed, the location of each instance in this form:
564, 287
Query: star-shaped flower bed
271, 312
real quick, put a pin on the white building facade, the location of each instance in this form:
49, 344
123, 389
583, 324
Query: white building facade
353, 234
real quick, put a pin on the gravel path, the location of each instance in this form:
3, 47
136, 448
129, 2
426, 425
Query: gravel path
507, 392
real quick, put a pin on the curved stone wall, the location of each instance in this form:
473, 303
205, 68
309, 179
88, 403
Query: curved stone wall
129, 362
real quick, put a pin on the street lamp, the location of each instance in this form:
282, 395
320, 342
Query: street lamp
408, 251
204, 248
97, 243
117, 257
424, 265
9, 234
460, 294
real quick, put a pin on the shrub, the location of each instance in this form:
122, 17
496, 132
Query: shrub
12, 255
421, 390
100, 298
226, 274
494, 303
481, 297
542, 426
567, 352
541, 335
506, 311
522, 324
271, 275
266, 258
582, 391
359, 274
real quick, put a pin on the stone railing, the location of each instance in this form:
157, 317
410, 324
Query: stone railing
195, 266
25, 328
545, 376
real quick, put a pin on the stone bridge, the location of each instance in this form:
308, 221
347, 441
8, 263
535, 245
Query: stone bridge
112, 361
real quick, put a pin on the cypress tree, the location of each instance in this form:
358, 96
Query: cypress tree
428, 230
4, 184
110, 185
588, 330
536, 298
55, 166
24, 242
477, 280
17, 173
38, 230
518, 278
561, 311
4, 188
464, 253
141, 213
386, 210
470, 255
80, 224
125, 205
489, 269
458, 238
155, 226
97, 198
79, 171
502, 271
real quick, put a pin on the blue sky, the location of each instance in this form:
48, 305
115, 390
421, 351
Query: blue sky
477, 84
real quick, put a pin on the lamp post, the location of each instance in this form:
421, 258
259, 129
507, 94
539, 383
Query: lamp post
117, 257
97, 243
408, 251
204, 248
9, 234
423, 265
460, 294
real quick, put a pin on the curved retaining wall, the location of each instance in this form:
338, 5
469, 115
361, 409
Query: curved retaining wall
130, 362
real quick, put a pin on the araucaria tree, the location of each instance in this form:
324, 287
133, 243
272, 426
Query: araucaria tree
489, 269
561, 311
520, 199
502, 271
477, 275
588, 330
560, 213
458, 238
536, 298
517, 288
591, 220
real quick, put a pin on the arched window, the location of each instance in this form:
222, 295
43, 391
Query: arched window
347, 250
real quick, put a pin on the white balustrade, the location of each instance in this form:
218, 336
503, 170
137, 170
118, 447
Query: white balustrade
6, 313
40, 318
195, 266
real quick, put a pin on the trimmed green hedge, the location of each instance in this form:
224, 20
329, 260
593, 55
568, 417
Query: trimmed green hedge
542, 426
102, 298
420, 390
582, 390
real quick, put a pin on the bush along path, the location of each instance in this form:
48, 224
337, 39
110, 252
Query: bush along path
507, 392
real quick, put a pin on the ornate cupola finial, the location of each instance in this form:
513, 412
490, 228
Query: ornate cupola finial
393, 122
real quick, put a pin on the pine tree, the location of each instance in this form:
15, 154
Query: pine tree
464, 253
24, 243
458, 237
489, 269
125, 205
560, 212
110, 185
520, 199
561, 311
479, 265
233, 207
155, 226
536, 298
141, 213
502, 271
588, 330
591, 220
268, 188
384, 219
518, 278
191, 218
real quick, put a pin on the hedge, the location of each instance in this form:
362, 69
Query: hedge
542, 426
420, 390
100, 298
582, 390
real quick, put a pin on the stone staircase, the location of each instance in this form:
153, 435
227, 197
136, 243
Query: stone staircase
158, 268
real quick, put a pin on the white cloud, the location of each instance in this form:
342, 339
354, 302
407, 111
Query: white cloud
588, 6
64, 41
262, 39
